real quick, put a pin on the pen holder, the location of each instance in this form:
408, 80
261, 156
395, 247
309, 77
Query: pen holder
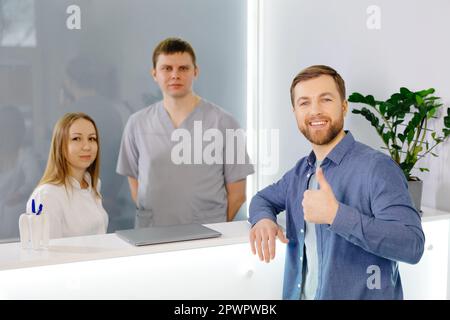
34, 230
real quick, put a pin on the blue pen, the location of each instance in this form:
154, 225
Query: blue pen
40, 209
33, 207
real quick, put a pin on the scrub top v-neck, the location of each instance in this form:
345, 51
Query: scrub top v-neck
170, 193
166, 121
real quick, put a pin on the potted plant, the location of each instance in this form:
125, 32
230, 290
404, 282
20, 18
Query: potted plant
402, 122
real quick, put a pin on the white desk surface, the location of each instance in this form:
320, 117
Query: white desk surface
105, 246
77, 249
430, 214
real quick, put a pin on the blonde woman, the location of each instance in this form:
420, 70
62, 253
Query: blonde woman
69, 190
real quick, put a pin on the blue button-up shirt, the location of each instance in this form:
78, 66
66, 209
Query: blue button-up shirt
376, 224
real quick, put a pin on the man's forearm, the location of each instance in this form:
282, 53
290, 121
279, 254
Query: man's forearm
234, 204
261, 208
396, 238
133, 183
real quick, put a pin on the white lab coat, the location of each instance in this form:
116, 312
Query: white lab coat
73, 211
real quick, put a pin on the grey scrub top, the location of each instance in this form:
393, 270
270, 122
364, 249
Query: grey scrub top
170, 193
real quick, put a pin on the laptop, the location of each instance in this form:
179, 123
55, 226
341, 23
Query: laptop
165, 234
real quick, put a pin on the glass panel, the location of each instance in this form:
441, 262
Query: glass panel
102, 68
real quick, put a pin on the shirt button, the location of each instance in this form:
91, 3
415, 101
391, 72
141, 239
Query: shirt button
308, 175
299, 285
301, 230
301, 258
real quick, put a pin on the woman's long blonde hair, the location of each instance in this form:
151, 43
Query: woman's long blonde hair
57, 170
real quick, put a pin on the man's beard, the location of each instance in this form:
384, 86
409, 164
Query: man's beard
323, 137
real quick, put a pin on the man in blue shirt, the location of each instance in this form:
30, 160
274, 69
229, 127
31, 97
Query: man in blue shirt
349, 216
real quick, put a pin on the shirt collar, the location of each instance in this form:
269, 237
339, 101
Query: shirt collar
87, 177
338, 152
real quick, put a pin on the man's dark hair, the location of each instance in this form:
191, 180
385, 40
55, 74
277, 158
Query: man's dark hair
171, 46
314, 72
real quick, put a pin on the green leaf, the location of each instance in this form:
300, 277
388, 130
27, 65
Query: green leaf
396, 97
386, 137
419, 99
424, 169
426, 92
406, 167
433, 135
407, 95
434, 154
410, 136
416, 151
415, 121
431, 113
356, 97
383, 108
447, 121
375, 121
356, 111
433, 98
396, 123
446, 132
370, 100
422, 111
391, 107
370, 117
404, 91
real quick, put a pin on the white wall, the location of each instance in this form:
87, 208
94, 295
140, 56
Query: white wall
411, 49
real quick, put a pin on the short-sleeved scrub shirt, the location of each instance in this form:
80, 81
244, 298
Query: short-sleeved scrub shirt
171, 193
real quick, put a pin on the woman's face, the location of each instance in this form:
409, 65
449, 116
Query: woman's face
82, 145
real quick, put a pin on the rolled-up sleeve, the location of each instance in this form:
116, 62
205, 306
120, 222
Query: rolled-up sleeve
270, 201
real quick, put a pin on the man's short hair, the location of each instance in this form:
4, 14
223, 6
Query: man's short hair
171, 46
314, 72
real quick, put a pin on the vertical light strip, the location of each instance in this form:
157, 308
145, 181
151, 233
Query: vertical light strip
253, 24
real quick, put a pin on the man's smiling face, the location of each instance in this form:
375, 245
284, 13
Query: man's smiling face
319, 109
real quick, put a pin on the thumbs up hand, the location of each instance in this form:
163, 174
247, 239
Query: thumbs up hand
320, 206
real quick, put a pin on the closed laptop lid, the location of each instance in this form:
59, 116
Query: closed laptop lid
164, 234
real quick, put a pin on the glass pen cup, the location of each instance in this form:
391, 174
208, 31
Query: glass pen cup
34, 231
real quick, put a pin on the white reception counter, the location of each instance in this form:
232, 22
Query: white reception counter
106, 267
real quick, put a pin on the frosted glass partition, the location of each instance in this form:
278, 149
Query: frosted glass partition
95, 56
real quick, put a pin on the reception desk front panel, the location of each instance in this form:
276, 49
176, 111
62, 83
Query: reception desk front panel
106, 267
221, 268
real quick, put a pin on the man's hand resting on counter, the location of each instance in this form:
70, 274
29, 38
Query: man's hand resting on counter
262, 238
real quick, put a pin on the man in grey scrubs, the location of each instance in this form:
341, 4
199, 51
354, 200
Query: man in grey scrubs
195, 189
